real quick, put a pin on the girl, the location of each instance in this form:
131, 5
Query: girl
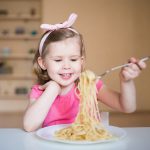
58, 64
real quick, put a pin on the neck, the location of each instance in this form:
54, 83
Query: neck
66, 89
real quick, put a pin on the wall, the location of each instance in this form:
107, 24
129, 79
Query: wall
113, 30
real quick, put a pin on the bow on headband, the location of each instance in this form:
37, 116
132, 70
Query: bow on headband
66, 24
50, 28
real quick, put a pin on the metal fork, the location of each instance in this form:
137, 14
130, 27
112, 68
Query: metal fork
120, 66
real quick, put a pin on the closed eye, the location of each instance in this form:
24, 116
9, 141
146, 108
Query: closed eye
74, 59
57, 60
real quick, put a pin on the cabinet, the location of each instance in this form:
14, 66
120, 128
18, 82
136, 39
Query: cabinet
19, 36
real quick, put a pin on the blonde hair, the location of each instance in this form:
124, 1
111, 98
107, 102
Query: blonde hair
56, 35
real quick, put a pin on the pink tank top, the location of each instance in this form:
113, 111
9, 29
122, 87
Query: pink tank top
65, 107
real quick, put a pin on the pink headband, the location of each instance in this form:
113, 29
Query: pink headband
50, 28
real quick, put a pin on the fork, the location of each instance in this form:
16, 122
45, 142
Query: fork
120, 66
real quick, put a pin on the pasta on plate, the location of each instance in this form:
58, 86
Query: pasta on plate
87, 125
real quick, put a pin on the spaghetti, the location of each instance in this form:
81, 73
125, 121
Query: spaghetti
87, 125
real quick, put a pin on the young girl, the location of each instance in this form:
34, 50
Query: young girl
58, 64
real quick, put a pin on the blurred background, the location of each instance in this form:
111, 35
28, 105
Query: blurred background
113, 31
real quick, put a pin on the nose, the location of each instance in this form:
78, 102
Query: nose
66, 64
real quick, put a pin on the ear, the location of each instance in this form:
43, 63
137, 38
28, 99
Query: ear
41, 63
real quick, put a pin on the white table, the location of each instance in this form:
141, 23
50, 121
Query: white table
17, 139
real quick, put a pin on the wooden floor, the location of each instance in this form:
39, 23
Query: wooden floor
14, 120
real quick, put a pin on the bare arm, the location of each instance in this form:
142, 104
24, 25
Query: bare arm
125, 101
38, 109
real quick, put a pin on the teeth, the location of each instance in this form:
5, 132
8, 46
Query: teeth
66, 75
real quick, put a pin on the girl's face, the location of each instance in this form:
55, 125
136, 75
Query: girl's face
63, 61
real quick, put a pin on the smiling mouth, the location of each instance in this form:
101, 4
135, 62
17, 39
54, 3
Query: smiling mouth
66, 76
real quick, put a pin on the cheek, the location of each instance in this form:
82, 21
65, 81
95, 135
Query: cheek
78, 67
52, 68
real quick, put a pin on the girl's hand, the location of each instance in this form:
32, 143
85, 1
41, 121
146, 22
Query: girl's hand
51, 84
133, 70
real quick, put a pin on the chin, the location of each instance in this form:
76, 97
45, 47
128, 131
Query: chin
66, 84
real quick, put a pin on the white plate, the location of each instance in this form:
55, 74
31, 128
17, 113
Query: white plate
47, 133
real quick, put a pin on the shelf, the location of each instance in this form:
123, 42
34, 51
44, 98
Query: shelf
13, 97
22, 17
15, 77
18, 57
19, 37
19, 34
13, 105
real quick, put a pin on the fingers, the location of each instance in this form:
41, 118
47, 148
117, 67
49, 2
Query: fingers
133, 69
132, 60
42, 87
52, 85
130, 72
140, 64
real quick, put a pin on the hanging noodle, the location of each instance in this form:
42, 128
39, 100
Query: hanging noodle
87, 125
